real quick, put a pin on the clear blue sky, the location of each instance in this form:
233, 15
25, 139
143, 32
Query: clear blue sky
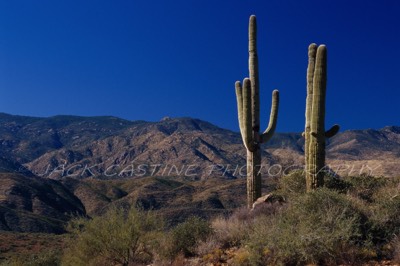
146, 59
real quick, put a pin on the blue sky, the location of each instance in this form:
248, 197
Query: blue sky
146, 59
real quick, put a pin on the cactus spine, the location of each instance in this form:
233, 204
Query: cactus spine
315, 134
248, 101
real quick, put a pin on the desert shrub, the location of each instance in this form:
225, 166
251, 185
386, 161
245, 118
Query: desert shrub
241, 258
395, 245
315, 228
13, 261
214, 256
231, 231
365, 186
44, 258
234, 230
385, 213
208, 246
336, 183
51, 258
183, 238
293, 183
119, 237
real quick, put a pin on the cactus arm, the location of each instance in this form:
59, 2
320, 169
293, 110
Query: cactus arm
243, 98
273, 119
332, 131
239, 100
247, 115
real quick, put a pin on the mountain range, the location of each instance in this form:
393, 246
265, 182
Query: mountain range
57, 167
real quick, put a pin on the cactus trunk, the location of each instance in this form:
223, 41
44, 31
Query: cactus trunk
248, 102
315, 134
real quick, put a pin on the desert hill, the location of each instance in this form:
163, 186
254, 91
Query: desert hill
107, 146
54, 168
29, 203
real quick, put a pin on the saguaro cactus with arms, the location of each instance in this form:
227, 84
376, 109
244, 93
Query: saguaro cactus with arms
248, 102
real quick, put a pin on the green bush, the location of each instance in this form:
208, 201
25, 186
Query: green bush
337, 183
315, 228
384, 214
365, 186
117, 238
293, 183
185, 236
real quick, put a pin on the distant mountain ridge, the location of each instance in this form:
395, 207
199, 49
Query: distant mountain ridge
112, 147
177, 166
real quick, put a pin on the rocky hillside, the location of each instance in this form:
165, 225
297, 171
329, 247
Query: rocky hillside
109, 147
33, 204
54, 168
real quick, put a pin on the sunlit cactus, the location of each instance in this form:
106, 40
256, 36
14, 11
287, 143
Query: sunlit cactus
248, 101
315, 134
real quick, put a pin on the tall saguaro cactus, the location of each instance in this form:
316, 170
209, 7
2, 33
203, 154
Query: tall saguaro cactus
248, 101
315, 134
